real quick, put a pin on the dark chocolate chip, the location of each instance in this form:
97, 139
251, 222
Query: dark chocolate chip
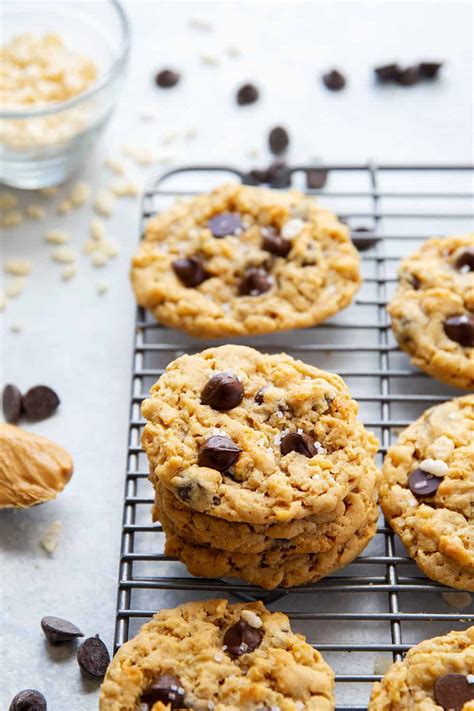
452, 691
190, 271
429, 70
222, 392
466, 259
258, 176
93, 657
12, 403
298, 442
387, 72
259, 396
255, 282
274, 243
28, 700
460, 328
241, 638
225, 223
334, 80
40, 402
363, 243
218, 452
278, 140
408, 76
316, 178
184, 492
167, 689
167, 78
247, 94
423, 484
57, 630
415, 282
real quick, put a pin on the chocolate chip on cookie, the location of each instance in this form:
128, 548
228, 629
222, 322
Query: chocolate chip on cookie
190, 271
460, 328
57, 630
166, 688
223, 391
423, 484
28, 700
465, 260
12, 403
298, 442
255, 282
274, 243
260, 396
241, 638
218, 452
452, 691
278, 140
225, 224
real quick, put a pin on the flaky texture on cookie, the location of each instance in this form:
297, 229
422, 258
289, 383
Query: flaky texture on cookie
255, 261
292, 445
280, 669
410, 685
438, 529
432, 311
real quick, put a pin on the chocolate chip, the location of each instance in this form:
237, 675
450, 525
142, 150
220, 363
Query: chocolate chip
259, 396
225, 223
184, 492
218, 452
423, 484
241, 638
466, 259
387, 72
57, 630
429, 70
274, 243
279, 174
93, 657
278, 140
167, 689
408, 76
167, 78
452, 691
40, 402
222, 392
334, 80
28, 700
247, 94
298, 442
257, 176
316, 178
415, 282
255, 282
12, 403
190, 271
460, 328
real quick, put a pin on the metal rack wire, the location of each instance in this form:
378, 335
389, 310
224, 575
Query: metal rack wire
370, 613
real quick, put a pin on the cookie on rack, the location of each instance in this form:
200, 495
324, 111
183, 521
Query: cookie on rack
254, 438
435, 674
213, 655
432, 311
244, 260
427, 491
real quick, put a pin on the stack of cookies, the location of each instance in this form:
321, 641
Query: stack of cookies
261, 469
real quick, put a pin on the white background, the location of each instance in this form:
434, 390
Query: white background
80, 343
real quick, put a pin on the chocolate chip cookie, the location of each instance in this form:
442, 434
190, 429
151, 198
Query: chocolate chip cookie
432, 310
427, 491
213, 655
245, 260
436, 674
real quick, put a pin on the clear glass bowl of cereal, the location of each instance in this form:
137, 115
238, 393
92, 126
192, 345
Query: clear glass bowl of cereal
61, 68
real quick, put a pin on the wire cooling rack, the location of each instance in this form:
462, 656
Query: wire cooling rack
367, 615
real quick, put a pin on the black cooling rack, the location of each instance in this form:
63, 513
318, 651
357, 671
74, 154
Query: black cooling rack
367, 615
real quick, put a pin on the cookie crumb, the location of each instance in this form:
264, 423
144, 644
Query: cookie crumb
8, 201
198, 23
50, 538
125, 188
210, 59
35, 212
102, 287
64, 207
69, 272
18, 267
57, 236
15, 287
12, 218
63, 255
115, 165
97, 229
104, 202
457, 600
50, 192
80, 193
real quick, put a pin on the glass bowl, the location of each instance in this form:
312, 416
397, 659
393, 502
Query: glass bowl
41, 145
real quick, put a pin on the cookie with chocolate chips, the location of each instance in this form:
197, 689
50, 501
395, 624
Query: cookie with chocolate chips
245, 260
432, 311
213, 655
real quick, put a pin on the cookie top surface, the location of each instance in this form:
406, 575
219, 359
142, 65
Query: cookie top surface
222, 657
244, 260
432, 310
420, 681
427, 491
289, 446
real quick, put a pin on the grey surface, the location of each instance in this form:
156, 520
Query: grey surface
80, 343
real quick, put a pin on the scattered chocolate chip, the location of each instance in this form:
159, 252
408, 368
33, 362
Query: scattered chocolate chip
274, 243
452, 691
255, 282
93, 657
298, 442
316, 178
12, 403
222, 392
466, 259
247, 94
218, 452
28, 700
40, 402
363, 243
460, 329
190, 271
429, 70
259, 396
257, 176
278, 140
334, 80
408, 76
167, 689
167, 78
387, 72
423, 484
57, 630
225, 223
241, 638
